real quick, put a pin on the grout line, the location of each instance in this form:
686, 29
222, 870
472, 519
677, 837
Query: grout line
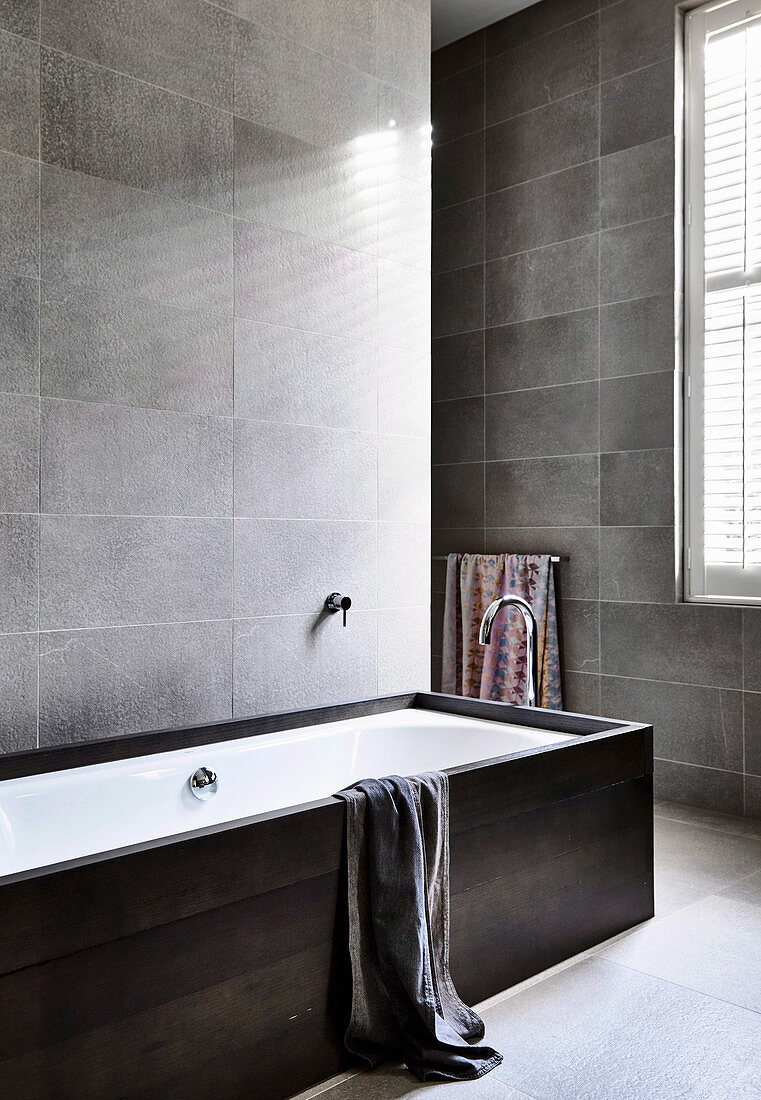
679, 985
575, 454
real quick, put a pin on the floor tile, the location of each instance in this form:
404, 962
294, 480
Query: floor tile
693, 862
713, 947
599, 1031
747, 889
691, 815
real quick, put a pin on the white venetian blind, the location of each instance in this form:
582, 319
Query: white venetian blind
724, 301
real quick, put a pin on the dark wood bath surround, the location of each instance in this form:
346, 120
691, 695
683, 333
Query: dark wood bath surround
215, 964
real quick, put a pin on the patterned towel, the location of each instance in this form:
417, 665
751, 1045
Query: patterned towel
498, 671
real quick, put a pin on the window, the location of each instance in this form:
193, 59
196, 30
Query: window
723, 302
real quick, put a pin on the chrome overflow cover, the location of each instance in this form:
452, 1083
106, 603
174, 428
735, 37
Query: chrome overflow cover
204, 783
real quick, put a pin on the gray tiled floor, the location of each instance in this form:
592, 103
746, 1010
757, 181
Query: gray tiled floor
668, 1011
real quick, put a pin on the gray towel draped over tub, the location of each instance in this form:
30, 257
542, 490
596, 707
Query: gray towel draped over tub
404, 1004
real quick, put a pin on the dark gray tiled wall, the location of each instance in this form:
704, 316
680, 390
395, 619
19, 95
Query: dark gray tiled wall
554, 381
214, 359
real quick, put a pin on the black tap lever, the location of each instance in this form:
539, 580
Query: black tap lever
337, 602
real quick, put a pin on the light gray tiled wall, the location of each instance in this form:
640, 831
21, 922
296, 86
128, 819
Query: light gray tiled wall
214, 359
554, 375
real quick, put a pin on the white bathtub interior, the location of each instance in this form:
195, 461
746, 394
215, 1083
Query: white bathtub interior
67, 815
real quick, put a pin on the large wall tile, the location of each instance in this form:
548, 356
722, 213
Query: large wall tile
343, 29
109, 125
457, 366
637, 564
637, 488
404, 392
579, 635
404, 302
286, 662
576, 575
637, 261
458, 430
542, 492
548, 68
752, 733
458, 236
637, 412
19, 558
404, 479
408, 152
18, 700
120, 241
182, 45
115, 570
553, 208
305, 188
296, 377
462, 54
753, 796
404, 58
131, 351
457, 106
636, 108
697, 725
19, 215
548, 139
581, 692
406, 667
403, 564
534, 21
19, 453
634, 33
20, 17
298, 472
556, 420
283, 566
19, 95
682, 643
458, 500
458, 300
637, 337
19, 334
106, 460
108, 683
638, 183
457, 170
404, 220
296, 91
285, 279
752, 648
455, 540
545, 352
554, 279
707, 788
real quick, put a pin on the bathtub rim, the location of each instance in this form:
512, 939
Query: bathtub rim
585, 728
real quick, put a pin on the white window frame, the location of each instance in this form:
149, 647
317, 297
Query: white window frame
716, 584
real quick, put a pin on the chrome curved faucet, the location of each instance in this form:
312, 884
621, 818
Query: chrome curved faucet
484, 636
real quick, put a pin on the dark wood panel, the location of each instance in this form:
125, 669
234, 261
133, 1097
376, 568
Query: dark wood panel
44, 917
273, 1027
484, 793
524, 923
562, 721
44, 1005
511, 844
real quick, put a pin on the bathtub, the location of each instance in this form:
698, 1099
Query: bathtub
144, 931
